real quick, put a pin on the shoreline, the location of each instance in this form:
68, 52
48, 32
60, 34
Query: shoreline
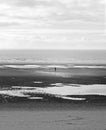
59, 72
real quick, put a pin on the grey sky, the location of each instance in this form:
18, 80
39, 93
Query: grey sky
52, 24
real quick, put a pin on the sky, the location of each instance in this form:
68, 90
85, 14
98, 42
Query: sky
52, 24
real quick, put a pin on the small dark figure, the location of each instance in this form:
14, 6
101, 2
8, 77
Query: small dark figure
55, 69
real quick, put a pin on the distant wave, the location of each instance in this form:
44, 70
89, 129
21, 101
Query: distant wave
53, 66
61, 91
33, 66
22, 66
90, 67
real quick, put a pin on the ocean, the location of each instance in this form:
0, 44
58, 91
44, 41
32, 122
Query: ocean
53, 56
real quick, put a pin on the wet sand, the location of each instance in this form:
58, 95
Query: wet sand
53, 120
26, 77
50, 72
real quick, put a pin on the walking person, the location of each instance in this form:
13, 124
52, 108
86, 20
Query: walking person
55, 69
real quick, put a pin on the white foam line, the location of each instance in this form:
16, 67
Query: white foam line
57, 66
91, 67
52, 66
23, 66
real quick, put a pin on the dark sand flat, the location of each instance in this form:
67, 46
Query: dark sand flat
13, 76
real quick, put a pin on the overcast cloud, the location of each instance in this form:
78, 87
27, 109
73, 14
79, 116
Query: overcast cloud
54, 24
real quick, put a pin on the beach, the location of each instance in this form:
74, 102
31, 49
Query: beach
19, 112
52, 95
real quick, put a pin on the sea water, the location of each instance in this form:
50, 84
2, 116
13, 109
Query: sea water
53, 56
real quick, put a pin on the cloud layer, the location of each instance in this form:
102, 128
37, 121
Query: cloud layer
51, 21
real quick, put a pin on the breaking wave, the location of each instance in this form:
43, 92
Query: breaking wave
22, 66
66, 66
90, 66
